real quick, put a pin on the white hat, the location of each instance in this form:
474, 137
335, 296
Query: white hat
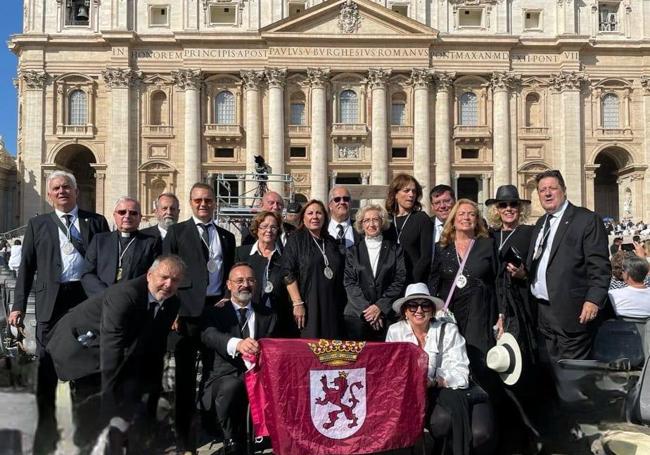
417, 291
505, 359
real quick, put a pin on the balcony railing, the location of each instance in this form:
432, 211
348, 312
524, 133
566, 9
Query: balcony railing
299, 130
75, 130
537, 131
223, 132
473, 131
158, 130
344, 131
401, 130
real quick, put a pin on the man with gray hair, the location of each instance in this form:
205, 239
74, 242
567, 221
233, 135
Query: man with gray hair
53, 253
632, 300
340, 225
122, 254
167, 210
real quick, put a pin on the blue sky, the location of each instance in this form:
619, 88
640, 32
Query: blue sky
10, 22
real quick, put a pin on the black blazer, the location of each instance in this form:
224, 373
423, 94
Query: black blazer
184, 240
249, 239
362, 288
100, 267
220, 324
153, 231
578, 267
258, 263
41, 257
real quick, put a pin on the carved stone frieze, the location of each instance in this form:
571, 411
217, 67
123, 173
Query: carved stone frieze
318, 77
276, 77
349, 152
34, 80
121, 77
349, 17
421, 77
187, 79
377, 77
251, 78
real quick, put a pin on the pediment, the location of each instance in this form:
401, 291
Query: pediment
349, 19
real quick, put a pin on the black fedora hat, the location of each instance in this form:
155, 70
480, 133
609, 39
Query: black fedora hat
506, 193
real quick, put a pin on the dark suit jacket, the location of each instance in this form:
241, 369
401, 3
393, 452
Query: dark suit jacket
362, 288
220, 324
42, 253
153, 231
578, 267
102, 258
249, 239
184, 240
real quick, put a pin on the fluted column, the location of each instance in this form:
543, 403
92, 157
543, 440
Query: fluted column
317, 78
377, 78
121, 171
443, 128
190, 81
502, 167
252, 80
568, 83
32, 191
421, 81
276, 78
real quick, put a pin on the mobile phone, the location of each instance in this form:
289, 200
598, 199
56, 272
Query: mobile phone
627, 247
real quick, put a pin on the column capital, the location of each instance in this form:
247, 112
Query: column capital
188, 79
251, 78
34, 80
318, 77
377, 77
421, 78
568, 80
444, 80
645, 83
121, 77
504, 81
276, 77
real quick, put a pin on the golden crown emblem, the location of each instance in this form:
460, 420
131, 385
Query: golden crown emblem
337, 352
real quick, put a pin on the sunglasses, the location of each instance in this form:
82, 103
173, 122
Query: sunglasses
338, 199
512, 205
413, 307
130, 212
204, 200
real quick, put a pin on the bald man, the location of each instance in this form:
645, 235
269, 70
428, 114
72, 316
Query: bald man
271, 202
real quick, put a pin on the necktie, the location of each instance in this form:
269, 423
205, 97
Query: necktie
151, 310
341, 234
206, 233
539, 251
243, 326
74, 232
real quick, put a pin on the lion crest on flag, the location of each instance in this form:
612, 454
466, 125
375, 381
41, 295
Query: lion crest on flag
338, 401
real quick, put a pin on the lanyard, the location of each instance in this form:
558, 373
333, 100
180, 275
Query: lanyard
399, 232
322, 251
209, 247
123, 252
503, 242
459, 273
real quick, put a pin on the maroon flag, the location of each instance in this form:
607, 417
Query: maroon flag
337, 397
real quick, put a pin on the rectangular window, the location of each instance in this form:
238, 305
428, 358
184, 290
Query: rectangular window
297, 114
532, 20
159, 16
298, 152
223, 15
469, 154
398, 114
399, 152
222, 152
470, 17
77, 12
401, 9
608, 17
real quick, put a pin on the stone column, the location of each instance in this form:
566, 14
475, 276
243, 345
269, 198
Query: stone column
568, 83
377, 78
121, 160
590, 194
443, 128
502, 162
253, 123
32, 191
318, 78
645, 83
190, 81
421, 81
276, 78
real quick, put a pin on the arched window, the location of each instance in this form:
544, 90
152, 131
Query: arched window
533, 111
224, 109
610, 110
77, 108
469, 109
348, 107
159, 112
398, 109
297, 107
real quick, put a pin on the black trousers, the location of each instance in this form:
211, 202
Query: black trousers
561, 343
357, 329
46, 437
230, 402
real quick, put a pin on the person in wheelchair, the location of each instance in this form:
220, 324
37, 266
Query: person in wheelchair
448, 410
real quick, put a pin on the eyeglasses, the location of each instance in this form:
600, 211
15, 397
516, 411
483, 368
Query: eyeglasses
412, 307
241, 281
266, 227
338, 199
204, 200
443, 201
130, 212
371, 221
511, 204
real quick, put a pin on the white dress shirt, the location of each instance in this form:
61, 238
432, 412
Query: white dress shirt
333, 230
163, 232
437, 230
631, 302
231, 347
216, 253
71, 264
538, 287
454, 367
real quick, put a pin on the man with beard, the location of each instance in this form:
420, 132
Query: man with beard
167, 210
229, 333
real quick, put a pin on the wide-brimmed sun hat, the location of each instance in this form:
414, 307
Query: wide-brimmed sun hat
417, 291
505, 359
507, 193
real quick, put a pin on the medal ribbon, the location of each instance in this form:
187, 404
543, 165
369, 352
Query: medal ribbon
322, 251
459, 273
399, 232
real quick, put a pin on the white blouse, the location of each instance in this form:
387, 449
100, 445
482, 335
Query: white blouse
454, 367
374, 248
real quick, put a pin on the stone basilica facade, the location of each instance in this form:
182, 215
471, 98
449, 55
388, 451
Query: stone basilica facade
143, 96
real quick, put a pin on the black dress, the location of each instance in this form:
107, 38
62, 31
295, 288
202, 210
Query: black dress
324, 298
414, 233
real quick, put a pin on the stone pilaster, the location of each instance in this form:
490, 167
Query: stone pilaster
377, 79
443, 128
645, 84
318, 79
33, 193
190, 81
501, 85
253, 123
421, 79
276, 78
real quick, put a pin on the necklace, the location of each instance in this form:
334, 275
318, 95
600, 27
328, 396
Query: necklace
503, 242
399, 231
327, 271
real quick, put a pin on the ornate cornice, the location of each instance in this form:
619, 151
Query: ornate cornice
34, 80
504, 80
187, 79
121, 77
276, 77
349, 17
318, 77
251, 79
444, 80
377, 77
421, 77
568, 80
